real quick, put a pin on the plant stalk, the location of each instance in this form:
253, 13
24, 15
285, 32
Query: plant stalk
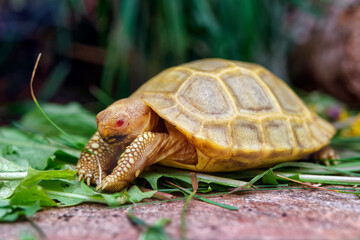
12, 175
325, 179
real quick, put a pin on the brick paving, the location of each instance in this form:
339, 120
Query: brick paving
280, 214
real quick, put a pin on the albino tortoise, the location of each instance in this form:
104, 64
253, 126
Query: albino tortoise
208, 115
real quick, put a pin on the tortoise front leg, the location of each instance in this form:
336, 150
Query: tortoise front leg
142, 152
90, 166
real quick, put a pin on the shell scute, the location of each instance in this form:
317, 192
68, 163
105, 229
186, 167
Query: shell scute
167, 81
287, 99
301, 134
192, 123
205, 96
317, 133
219, 133
246, 137
248, 93
208, 65
162, 101
277, 137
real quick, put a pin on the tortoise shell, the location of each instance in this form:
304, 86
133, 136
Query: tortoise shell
237, 115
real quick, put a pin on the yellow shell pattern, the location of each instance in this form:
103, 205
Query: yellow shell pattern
237, 115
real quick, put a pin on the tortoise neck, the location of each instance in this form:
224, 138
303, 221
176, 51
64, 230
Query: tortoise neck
152, 122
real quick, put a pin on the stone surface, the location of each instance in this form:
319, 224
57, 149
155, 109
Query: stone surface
280, 214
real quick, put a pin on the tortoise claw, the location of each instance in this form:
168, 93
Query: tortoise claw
93, 166
88, 180
326, 156
81, 176
101, 186
98, 187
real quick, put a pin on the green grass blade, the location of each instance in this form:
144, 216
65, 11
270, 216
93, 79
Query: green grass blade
70, 139
171, 172
135, 219
314, 166
183, 215
211, 202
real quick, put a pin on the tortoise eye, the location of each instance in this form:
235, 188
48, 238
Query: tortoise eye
120, 123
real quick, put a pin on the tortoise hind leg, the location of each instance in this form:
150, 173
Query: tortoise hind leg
326, 155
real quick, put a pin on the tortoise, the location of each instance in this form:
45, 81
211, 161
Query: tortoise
209, 115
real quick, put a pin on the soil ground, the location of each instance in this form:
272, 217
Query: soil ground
280, 214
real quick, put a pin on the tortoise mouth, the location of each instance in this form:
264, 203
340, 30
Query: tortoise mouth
115, 139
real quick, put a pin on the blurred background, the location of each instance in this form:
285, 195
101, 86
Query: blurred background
95, 52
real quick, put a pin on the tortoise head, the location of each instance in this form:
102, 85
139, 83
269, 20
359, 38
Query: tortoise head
123, 120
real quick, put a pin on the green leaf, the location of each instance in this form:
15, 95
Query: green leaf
35, 176
67, 156
150, 232
25, 149
4, 212
8, 187
156, 231
152, 178
69, 193
9, 166
27, 196
136, 195
10, 213
111, 199
116, 199
72, 118
26, 192
29, 150
10, 176
269, 178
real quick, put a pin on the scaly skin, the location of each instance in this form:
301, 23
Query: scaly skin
131, 163
147, 149
103, 158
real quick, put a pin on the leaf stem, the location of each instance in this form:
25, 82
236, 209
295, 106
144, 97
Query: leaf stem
12, 175
78, 196
325, 179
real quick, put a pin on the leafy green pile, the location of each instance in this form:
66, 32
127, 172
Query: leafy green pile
37, 169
